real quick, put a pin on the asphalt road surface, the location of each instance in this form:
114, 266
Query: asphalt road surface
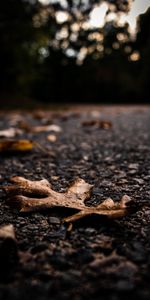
108, 147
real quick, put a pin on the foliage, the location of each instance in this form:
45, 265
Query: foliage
40, 51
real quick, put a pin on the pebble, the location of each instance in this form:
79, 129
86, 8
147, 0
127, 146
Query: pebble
138, 180
133, 166
54, 220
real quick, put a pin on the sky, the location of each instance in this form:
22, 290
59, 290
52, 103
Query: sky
98, 14
138, 7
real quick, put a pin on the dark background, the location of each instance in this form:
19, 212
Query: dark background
34, 65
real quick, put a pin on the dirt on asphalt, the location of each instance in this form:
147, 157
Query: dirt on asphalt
98, 258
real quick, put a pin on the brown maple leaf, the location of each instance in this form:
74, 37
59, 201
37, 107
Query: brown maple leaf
30, 195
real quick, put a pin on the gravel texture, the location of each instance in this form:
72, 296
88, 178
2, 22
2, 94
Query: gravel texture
98, 258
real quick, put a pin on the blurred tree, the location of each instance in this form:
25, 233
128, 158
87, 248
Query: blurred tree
69, 27
52, 52
18, 53
142, 43
85, 66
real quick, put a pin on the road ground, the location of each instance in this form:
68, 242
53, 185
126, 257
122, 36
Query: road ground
108, 147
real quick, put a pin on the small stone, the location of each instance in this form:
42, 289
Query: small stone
54, 177
138, 180
51, 138
133, 166
54, 220
147, 177
85, 157
132, 172
90, 231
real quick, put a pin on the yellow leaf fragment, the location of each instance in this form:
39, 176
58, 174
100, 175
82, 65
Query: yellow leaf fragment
22, 195
16, 145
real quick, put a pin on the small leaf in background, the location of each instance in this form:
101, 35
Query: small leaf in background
46, 128
38, 129
10, 132
16, 145
97, 124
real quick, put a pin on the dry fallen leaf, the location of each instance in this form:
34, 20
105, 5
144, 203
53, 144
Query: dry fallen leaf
98, 124
38, 129
7, 232
46, 128
10, 132
16, 145
21, 190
